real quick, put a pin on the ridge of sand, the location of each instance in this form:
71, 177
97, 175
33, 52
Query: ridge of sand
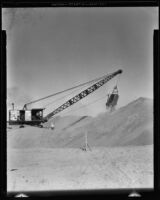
129, 125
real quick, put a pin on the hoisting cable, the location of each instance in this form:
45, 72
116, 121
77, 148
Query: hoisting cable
64, 90
118, 79
64, 96
59, 98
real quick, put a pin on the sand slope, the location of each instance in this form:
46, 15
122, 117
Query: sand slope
130, 125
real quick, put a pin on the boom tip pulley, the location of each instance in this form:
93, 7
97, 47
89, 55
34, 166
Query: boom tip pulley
120, 71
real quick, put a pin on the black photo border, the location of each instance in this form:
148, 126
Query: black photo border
156, 69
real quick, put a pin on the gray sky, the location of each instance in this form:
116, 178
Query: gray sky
51, 49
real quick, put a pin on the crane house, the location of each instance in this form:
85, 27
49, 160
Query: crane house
34, 116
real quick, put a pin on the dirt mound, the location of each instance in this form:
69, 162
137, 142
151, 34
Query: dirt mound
129, 125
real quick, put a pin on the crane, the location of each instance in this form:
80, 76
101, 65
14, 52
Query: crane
35, 116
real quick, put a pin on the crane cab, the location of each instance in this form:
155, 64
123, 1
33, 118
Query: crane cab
31, 117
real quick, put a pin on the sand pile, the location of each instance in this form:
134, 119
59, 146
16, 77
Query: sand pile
129, 125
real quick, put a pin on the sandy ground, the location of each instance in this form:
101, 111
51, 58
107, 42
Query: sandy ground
70, 168
121, 154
